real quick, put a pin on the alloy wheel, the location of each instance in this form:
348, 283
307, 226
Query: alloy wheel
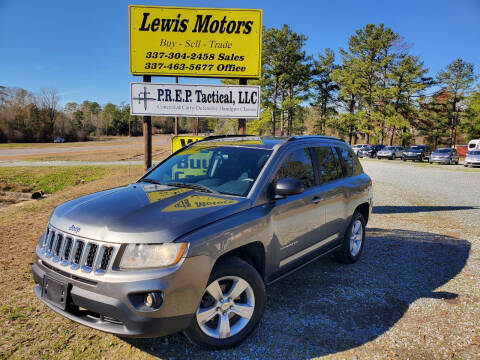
226, 307
356, 238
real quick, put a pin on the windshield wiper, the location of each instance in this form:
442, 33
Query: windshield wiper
151, 181
197, 187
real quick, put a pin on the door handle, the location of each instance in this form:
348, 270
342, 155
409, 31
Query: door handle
317, 199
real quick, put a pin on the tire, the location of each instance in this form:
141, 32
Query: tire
353, 241
229, 274
403, 159
465, 165
393, 157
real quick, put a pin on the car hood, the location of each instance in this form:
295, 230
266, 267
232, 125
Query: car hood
143, 213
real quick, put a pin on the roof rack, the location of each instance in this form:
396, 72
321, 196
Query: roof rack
213, 137
306, 137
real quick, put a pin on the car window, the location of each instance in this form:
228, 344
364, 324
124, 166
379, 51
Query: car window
329, 164
347, 158
298, 164
226, 169
357, 167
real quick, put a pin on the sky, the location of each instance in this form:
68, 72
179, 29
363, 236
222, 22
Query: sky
80, 48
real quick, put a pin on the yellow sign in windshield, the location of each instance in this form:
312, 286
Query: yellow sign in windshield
204, 42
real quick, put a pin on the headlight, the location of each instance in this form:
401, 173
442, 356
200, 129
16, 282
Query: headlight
138, 256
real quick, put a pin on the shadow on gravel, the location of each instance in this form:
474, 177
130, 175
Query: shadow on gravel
417, 209
326, 307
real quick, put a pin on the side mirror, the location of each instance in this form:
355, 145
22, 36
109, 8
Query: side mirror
288, 186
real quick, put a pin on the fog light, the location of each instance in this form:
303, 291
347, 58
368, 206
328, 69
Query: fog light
153, 299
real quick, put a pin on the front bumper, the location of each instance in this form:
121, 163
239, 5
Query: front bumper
472, 162
112, 306
439, 160
385, 155
412, 157
364, 154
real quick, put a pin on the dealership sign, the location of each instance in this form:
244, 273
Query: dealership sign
202, 42
219, 101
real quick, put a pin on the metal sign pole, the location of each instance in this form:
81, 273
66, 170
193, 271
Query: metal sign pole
147, 134
242, 123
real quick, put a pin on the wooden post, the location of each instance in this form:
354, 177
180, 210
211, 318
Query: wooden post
147, 134
176, 117
242, 123
196, 126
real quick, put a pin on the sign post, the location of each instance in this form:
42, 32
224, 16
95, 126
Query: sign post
147, 132
242, 122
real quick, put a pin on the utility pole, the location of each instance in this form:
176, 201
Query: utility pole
147, 134
242, 123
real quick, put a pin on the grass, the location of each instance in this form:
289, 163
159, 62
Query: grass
99, 141
52, 179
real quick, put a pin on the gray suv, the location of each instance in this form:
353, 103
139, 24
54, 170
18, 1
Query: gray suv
191, 245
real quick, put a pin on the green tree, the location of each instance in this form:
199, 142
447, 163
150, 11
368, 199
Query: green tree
433, 117
407, 81
471, 122
285, 76
458, 77
324, 89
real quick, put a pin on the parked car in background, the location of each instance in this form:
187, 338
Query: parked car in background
192, 248
444, 156
357, 147
390, 152
370, 150
472, 158
59, 140
416, 153
474, 144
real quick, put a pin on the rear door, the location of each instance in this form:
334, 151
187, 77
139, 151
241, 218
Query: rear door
331, 191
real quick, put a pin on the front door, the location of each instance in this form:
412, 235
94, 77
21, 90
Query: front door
297, 220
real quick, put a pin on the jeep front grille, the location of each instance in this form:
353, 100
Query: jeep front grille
77, 253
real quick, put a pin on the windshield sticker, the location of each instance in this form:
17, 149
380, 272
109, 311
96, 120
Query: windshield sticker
198, 202
154, 196
192, 165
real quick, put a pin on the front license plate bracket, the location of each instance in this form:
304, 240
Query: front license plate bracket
55, 292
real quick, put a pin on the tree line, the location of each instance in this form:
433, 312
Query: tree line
376, 91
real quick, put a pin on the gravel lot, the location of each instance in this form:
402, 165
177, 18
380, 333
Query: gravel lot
414, 294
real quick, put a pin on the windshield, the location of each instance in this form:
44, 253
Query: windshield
415, 148
475, 152
389, 148
227, 170
367, 147
442, 151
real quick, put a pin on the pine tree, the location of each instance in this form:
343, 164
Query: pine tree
458, 77
324, 89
